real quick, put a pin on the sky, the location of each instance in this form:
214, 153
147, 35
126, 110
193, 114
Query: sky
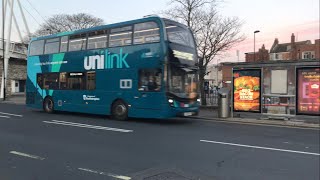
273, 18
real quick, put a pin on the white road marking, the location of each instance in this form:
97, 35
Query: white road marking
26, 155
259, 147
18, 115
107, 174
65, 123
4, 116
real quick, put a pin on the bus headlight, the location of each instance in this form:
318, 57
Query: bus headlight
199, 100
170, 102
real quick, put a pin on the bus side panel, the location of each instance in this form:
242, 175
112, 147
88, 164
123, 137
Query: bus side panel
34, 94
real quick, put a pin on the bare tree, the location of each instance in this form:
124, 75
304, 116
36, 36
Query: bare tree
65, 22
214, 34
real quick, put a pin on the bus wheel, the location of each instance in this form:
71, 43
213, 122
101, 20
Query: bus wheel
48, 105
119, 110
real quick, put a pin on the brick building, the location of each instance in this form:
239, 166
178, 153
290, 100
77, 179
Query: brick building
260, 56
295, 50
286, 51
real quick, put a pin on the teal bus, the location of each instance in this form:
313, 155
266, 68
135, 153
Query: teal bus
144, 68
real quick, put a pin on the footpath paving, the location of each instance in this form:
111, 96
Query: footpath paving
16, 99
210, 113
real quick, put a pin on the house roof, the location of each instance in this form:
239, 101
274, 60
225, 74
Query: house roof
284, 47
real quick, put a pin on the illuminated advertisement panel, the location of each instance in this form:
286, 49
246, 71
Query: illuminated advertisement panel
308, 91
246, 90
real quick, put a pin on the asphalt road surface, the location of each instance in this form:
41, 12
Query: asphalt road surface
37, 146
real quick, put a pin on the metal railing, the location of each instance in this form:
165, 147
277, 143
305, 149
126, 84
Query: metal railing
212, 97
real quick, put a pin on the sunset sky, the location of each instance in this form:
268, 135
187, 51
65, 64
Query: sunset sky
274, 18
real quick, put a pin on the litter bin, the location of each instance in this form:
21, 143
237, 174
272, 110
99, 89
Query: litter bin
223, 103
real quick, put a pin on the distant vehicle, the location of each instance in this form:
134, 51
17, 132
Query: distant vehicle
140, 68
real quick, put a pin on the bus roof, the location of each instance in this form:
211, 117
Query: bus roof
107, 26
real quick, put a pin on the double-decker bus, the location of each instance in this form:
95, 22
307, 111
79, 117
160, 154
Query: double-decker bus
143, 68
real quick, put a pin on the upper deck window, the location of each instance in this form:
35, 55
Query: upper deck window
77, 42
51, 46
120, 36
179, 35
64, 44
36, 48
147, 32
97, 39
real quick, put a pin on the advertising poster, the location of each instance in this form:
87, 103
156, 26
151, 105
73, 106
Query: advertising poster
308, 91
246, 90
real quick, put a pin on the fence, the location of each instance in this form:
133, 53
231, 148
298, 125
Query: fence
212, 98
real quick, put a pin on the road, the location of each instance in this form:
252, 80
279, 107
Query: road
37, 146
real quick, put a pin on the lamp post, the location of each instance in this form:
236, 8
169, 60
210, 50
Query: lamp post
217, 69
3, 51
254, 45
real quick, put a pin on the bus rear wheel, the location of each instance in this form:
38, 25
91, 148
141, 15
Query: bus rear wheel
48, 105
119, 110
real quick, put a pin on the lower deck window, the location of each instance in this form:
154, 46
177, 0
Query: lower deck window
67, 80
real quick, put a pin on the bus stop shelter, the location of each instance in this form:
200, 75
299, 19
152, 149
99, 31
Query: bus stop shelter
276, 89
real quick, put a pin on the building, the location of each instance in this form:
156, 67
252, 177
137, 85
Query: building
226, 68
214, 75
17, 72
295, 50
260, 56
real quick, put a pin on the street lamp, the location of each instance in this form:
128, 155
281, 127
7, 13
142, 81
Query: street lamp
217, 68
254, 45
3, 50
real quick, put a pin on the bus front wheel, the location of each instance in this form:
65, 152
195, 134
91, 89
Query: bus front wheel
48, 105
119, 110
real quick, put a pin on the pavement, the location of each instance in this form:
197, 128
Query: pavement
211, 113
15, 99
35, 146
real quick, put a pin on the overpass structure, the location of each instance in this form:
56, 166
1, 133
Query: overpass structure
10, 50
16, 50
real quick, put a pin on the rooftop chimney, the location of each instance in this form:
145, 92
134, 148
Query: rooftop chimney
292, 38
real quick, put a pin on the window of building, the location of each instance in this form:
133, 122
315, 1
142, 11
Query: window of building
308, 55
77, 42
91, 80
147, 32
97, 39
52, 46
120, 36
276, 56
288, 47
36, 48
64, 44
51, 81
150, 80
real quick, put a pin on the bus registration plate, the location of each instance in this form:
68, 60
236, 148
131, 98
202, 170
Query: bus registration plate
187, 114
